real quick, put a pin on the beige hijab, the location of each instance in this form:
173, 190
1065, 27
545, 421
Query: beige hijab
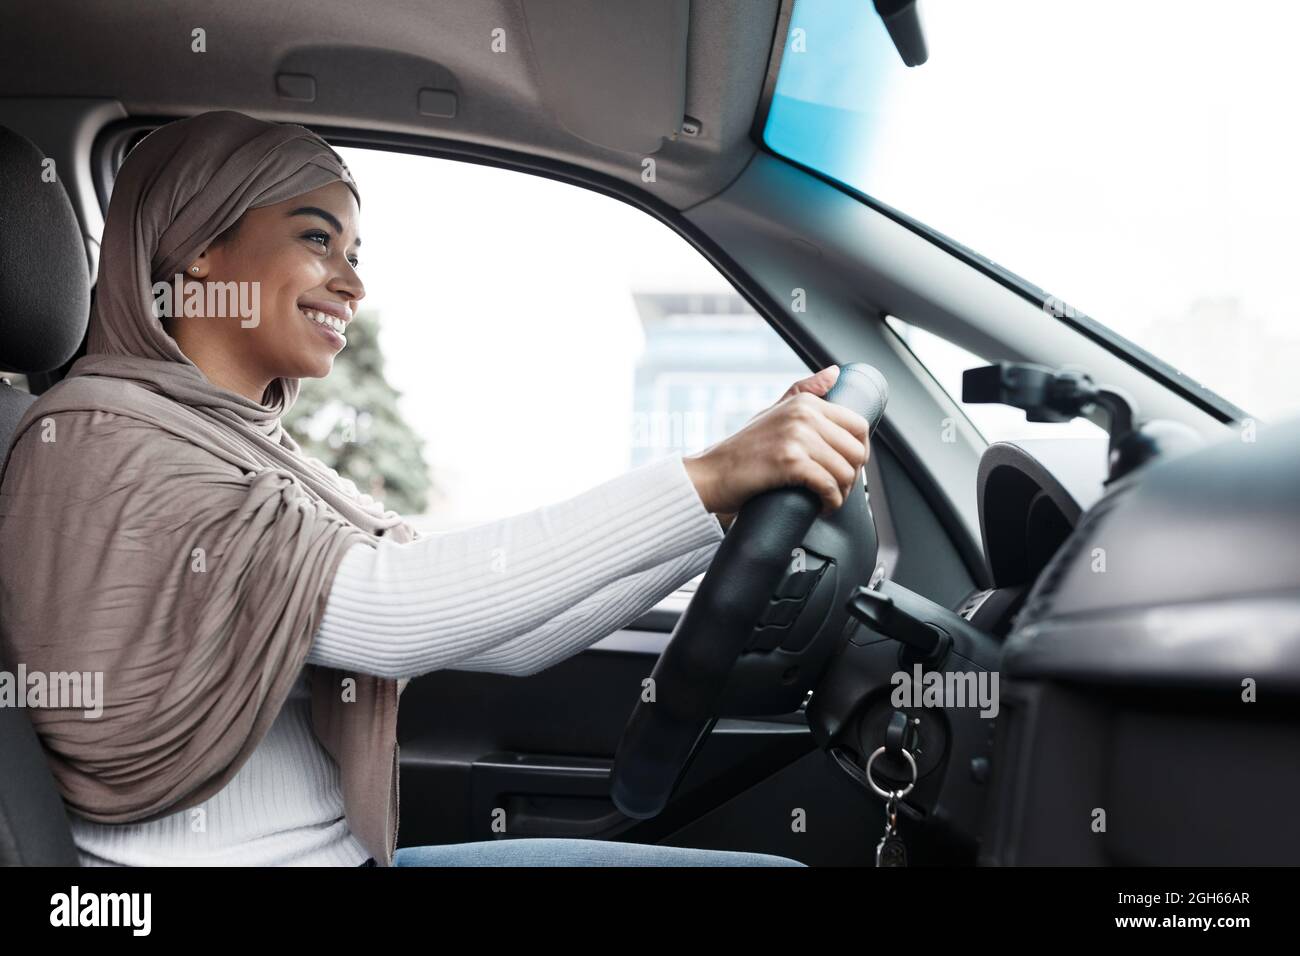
171, 534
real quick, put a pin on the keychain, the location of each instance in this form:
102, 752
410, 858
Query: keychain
890, 851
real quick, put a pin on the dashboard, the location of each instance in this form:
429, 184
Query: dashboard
1157, 654
1142, 638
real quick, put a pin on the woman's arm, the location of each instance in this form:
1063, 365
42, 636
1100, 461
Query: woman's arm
612, 607
453, 600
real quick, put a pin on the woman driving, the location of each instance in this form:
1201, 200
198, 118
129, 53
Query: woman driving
254, 616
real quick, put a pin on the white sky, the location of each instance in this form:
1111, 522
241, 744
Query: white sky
508, 323
1139, 159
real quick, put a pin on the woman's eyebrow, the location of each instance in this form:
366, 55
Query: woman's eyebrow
328, 217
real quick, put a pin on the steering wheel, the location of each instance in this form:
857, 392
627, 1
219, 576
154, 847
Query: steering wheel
762, 623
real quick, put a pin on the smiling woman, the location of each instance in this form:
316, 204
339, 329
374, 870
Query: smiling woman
255, 616
298, 259
187, 453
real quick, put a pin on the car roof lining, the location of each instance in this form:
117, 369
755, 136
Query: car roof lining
515, 100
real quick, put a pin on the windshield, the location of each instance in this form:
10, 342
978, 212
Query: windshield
1140, 161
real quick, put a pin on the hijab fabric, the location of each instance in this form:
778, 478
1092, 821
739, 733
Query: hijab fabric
170, 534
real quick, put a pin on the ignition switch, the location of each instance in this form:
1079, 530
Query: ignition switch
901, 734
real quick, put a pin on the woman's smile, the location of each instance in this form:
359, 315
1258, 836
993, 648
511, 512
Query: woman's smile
330, 319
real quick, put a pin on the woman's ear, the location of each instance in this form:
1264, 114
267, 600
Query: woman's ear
198, 269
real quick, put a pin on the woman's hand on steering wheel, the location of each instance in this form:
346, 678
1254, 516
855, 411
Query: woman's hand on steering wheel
800, 440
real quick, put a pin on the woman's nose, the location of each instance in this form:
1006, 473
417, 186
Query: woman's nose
346, 283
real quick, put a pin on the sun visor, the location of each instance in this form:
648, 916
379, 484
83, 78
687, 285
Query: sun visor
613, 71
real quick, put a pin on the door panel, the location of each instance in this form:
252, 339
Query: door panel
534, 754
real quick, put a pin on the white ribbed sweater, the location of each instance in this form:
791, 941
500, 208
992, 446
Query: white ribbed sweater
509, 597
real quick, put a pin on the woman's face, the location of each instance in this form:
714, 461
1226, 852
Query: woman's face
302, 255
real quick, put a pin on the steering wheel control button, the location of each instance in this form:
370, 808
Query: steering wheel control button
800, 583
789, 598
780, 614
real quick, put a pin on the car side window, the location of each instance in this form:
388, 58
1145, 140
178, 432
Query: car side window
524, 340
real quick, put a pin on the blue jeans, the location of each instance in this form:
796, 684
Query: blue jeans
565, 852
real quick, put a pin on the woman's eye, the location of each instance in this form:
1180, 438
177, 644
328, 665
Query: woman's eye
324, 239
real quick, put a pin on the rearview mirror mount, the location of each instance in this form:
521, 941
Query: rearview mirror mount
904, 26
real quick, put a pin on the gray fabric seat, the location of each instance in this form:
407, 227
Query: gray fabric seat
44, 308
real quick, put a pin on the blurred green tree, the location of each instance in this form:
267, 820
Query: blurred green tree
350, 421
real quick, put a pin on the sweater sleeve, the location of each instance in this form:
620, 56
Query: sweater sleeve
516, 595
612, 607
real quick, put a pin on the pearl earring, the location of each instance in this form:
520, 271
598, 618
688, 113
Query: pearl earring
194, 268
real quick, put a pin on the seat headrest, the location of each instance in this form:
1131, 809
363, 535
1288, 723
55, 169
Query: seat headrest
44, 275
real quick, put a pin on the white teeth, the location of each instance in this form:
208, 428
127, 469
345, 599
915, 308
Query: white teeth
329, 321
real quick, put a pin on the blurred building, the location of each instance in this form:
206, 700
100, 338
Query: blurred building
710, 364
